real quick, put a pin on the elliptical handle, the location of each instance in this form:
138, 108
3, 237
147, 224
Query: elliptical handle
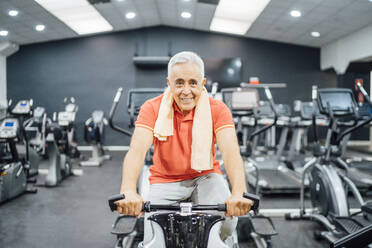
114, 198
112, 113
255, 199
118, 95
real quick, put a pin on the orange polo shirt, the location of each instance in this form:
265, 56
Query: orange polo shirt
172, 158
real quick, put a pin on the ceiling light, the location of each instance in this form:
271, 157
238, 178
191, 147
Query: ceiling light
295, 13
13, 12
315, 34
79, 15
186, 15
229, 26
236, 12
40, 27
4, 33
130, 15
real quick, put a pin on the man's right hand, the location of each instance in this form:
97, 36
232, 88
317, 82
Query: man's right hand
131, 205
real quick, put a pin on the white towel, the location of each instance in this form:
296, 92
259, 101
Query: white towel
202, 130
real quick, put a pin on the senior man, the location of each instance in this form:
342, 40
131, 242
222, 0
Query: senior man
184, 124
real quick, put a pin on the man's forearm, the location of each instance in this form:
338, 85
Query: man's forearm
132, 167
236, 173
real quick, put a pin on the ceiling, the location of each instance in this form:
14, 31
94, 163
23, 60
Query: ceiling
333, 19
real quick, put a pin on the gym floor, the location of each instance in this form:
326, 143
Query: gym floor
76, 214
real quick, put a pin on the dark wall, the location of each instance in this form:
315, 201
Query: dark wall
347, 80
92, 68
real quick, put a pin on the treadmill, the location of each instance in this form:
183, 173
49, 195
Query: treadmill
273, 176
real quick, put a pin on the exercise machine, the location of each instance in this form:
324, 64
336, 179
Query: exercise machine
186, 225
328, 186
66, 120
94, 135
13, 169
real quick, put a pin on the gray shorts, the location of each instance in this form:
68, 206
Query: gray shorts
208, 189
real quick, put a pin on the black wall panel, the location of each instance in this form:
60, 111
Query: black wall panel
92, 68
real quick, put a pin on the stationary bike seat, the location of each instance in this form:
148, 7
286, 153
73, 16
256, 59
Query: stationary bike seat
367, 207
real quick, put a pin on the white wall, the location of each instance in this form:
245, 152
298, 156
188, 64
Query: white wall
354, 47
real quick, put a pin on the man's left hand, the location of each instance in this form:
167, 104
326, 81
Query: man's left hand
238, 206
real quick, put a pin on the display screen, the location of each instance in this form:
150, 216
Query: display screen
338, 101
227, 72
9, 124
244, 99
23, 104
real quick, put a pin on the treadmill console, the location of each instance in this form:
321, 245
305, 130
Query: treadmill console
244, 100
65, 118
98, 116
341, 101
22, 108
9, 128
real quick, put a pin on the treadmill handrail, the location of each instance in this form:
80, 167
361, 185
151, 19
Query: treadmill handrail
112, 113
272, 106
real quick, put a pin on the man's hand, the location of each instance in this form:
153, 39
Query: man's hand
131, 205
238, 205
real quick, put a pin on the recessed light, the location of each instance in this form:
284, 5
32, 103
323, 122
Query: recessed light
295, 13
13, 12
186, 15
40, 27
130, 15
4, 33
315, 34
120, 0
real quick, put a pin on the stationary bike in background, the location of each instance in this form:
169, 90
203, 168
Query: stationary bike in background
94, 135
329, 186
66, 119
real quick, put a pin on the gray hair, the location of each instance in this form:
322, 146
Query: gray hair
183, 57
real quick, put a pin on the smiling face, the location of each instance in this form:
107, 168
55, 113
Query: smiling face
186, 85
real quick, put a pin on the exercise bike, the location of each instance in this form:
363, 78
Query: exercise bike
94, 135
329, 186
187, 225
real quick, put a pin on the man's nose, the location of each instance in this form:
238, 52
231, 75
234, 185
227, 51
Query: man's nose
186, 90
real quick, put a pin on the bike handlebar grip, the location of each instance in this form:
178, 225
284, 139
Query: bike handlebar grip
222, 207
118, 94
254, 198
114, 198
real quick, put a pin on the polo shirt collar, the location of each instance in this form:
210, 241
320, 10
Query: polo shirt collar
189, 116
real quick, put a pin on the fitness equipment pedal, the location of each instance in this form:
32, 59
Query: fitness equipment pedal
263, 226
347, 224
124, 225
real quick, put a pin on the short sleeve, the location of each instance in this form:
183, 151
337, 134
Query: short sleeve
146, 117
223, 118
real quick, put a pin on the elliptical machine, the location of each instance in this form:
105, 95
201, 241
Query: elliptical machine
13, 169
329, 187
94, 135
66, 119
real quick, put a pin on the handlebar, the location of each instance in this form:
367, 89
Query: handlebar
112, 113
148, 207
364, 92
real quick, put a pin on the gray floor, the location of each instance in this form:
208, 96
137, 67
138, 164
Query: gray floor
76, 214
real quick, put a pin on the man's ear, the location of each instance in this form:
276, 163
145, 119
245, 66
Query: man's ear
168, 82
204, 81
